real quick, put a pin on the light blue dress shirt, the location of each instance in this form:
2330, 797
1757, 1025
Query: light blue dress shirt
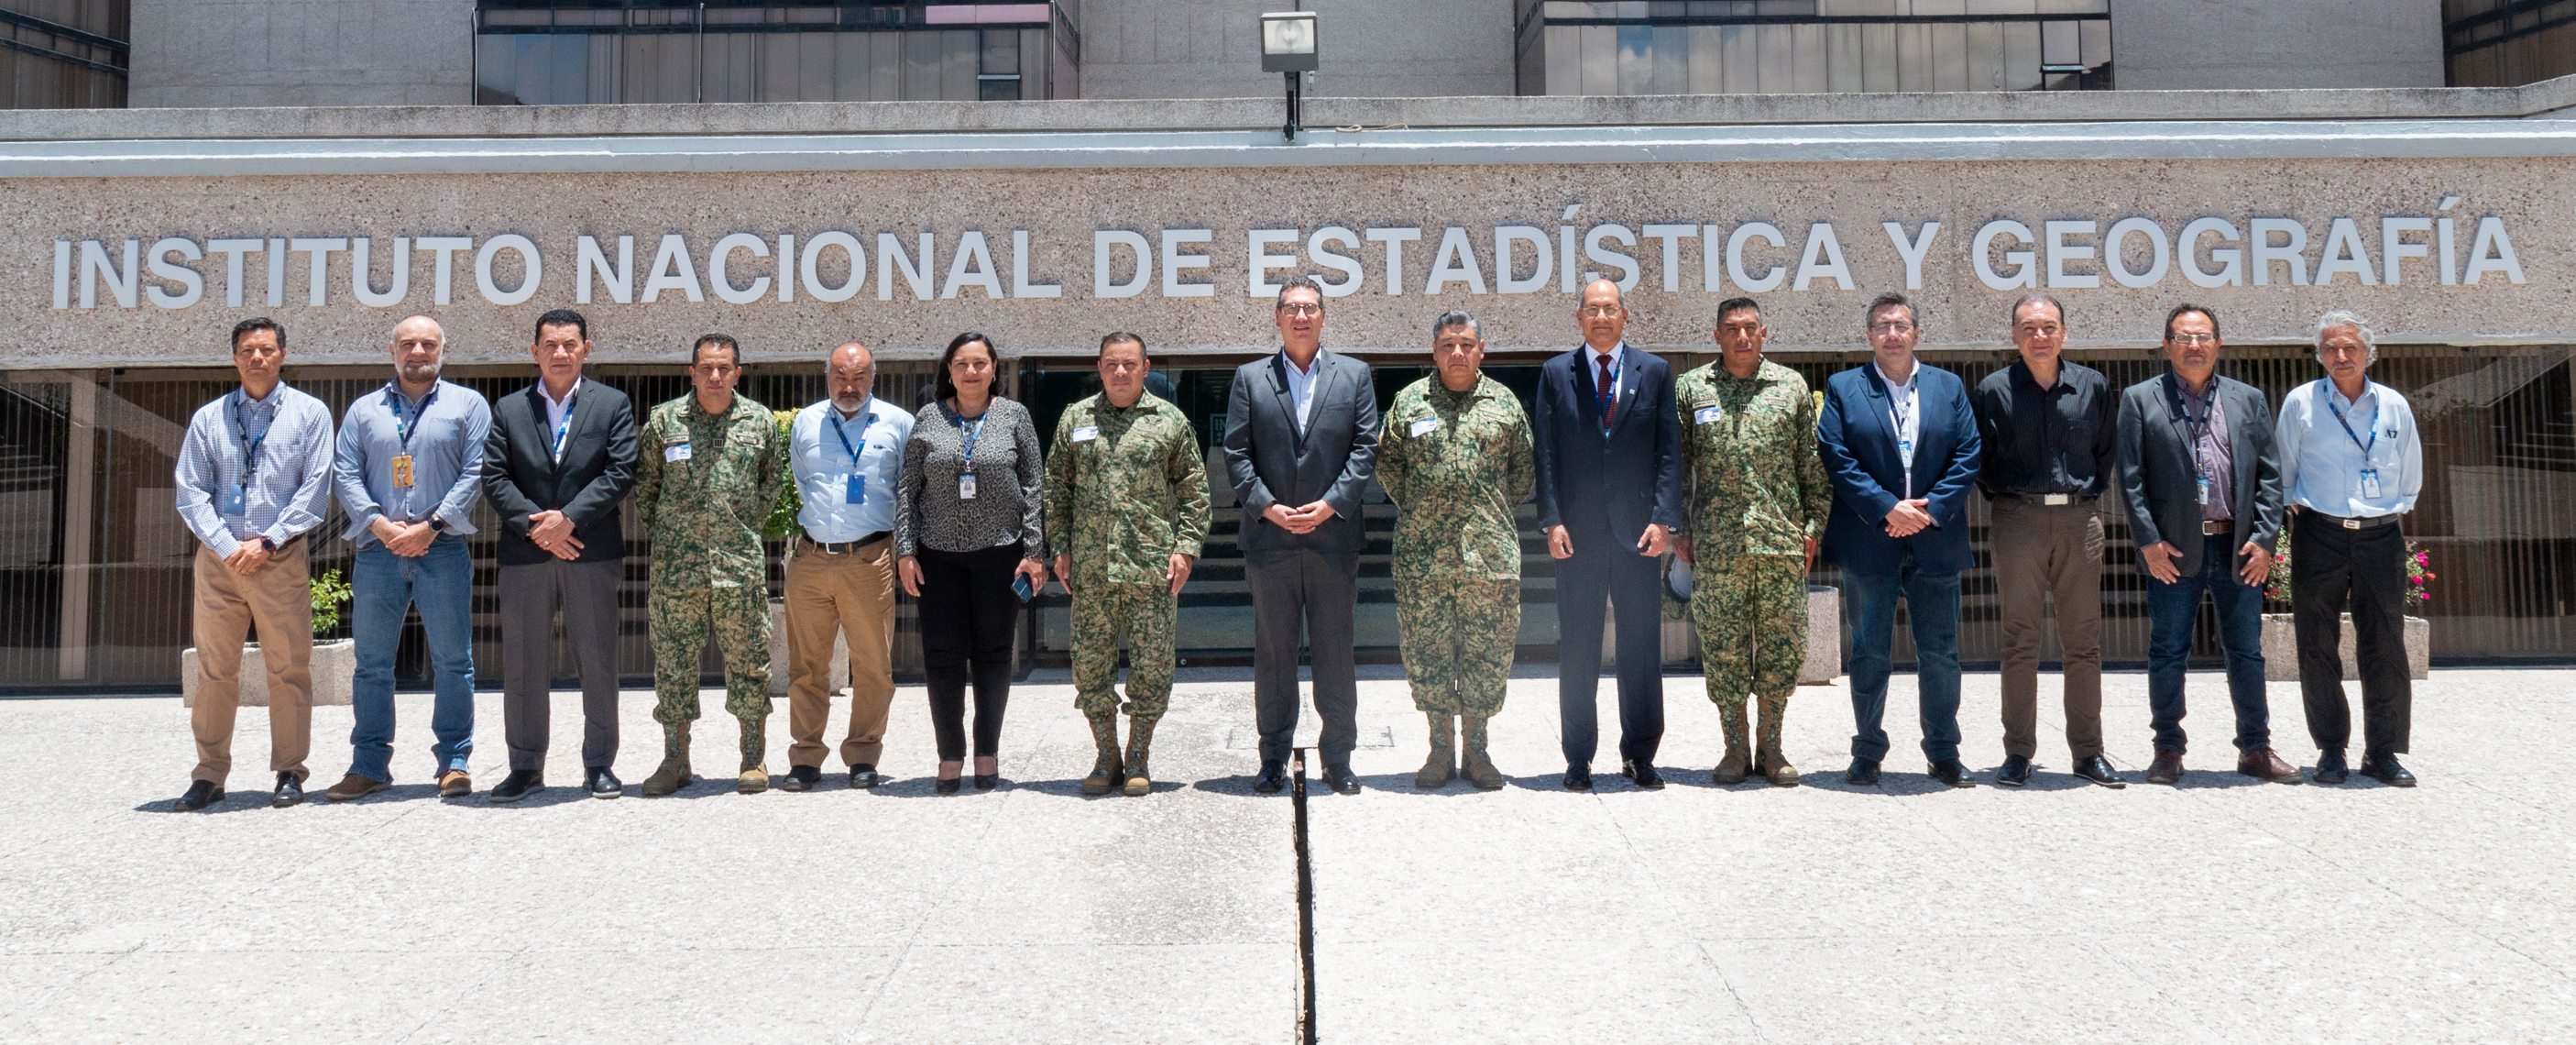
447, 429
1301, 385
823, 468
288, 493
2322, 464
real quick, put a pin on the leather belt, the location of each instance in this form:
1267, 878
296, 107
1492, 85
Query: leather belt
2049, 500
846, 547
2214, 527
2342, 522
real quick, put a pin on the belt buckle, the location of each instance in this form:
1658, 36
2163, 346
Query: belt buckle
2054, 499
2352, 524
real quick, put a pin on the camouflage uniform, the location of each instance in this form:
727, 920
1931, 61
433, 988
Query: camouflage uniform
1455, 464
1125, 491
1757, 491
704, 512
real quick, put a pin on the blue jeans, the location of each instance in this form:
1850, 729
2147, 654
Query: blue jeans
1932, 604
385, 587
2171, 609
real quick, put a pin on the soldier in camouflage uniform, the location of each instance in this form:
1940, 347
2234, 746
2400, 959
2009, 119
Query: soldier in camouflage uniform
1126, 511
1757, 498
1455, 458
707, 476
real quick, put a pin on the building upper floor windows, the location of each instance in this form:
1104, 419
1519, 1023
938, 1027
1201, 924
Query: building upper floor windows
567, 52
1811, 46
2507, 43
63, 54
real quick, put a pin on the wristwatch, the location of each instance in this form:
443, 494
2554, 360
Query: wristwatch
437, 524
266, 544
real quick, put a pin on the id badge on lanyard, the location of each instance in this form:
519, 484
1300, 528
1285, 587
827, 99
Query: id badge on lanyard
966, 486
969, 437
2370, 483
857, 491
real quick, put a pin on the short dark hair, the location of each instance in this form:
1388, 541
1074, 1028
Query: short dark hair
1456, 317
2187, 307
1116, 337
1891, 299
562, 317
723, 341
947, 388
258, 323
2036, 297
1737, 305
1300, 283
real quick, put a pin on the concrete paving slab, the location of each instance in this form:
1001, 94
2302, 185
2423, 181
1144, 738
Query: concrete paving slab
1942, 987
1076, 993
2426, 985
782, 994
1438, 991
293, 996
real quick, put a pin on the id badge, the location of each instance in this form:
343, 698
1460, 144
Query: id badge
2204, 490
1425, 427
675, 452
966, 487
232, 500
1905, 450
1705, 415
858, 490
402, 470
1086, 433
2370, 483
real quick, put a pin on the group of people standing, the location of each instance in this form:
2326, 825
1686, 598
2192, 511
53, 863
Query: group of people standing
1735, 469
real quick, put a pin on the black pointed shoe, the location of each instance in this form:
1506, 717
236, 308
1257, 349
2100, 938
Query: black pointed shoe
2098, 770
2330, 767
1642, 773
519, 784
1273, 776
864, 775
201, 793
1578, 776
1863, 772
2015, 772
2384, 768
800, 778
1950, 772
1338, 776
600, 782
290, 791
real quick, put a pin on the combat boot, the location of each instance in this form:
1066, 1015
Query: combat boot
1140, 743
1480, 766
674, 772
1768, 760
1443, 763
1107, 771
755, 757
1739, 742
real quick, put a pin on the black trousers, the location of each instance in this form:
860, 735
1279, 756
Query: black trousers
969, 621
586, 592
1603, 573
1311, 594
2332, 568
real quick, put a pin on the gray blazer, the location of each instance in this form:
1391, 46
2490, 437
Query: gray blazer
2159, 486
1269, 461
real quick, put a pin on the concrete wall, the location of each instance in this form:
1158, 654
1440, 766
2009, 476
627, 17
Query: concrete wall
302, 52
1371, 48
2188, 44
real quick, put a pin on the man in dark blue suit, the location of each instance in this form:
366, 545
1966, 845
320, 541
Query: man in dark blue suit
1900, 441
1609, 496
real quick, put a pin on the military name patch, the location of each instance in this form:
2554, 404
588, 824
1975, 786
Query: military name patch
1704, 415
675, 452
1425, 426
1086, 433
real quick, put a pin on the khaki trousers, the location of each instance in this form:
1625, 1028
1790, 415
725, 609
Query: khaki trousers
851, 593
279, 600
2044, 551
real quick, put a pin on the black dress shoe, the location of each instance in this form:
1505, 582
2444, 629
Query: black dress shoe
1273, 776
1642, 773
201, 793
2384, 768
800, 778
1950, 772
1578, 776
987, 781
864, 775
2330, 768
290, 791
519, 784
1863, 773
2015, 771
2098, 770
945, 785
1338, 776
598, 781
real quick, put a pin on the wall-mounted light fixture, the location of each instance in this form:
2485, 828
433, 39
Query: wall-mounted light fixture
1288, 46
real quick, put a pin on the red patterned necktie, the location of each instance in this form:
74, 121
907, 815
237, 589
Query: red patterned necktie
1607, 394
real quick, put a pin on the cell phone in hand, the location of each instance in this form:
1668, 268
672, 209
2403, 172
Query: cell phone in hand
1020, 587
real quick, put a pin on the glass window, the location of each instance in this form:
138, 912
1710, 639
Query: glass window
657, 51
1636, 47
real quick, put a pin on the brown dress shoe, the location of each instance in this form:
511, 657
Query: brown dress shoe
2166, 769
2263, 763
355, 786
455, 783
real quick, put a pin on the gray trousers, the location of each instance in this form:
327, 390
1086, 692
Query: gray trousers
2042, 551
587, 594
1313, 593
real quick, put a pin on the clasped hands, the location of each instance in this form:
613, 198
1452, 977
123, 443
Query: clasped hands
1299, 520
552, 531
1650, 544
2160, 558
411, 541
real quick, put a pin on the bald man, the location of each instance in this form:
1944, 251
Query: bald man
845, 452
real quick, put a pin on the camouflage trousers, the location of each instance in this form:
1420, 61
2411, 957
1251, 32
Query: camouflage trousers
1751, 612
1458, 640
1102, 610
681, 619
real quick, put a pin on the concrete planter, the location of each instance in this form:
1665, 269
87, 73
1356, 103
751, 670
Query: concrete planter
2281, 648
778, 653
334, 665
1824, 636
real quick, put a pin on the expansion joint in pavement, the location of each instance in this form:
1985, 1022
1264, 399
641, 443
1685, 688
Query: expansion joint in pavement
1305, 898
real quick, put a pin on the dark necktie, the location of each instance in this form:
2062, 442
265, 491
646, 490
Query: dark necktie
1607, 394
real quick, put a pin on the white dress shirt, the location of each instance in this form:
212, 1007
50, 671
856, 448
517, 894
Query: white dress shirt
1301, 385
2323, 465
558, 413
824, 470
1906, 416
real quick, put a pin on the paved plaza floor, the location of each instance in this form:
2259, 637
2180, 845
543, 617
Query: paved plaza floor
2223, 911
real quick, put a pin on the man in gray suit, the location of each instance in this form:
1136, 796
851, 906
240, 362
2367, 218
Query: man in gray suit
1300, 444
2200, 477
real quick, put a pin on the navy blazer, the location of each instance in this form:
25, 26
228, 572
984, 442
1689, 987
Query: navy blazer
1607, 486
1856, 435
1267, 460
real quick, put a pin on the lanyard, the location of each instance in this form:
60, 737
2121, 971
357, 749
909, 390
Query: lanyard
250, 446
394, 399
2199, 426
2347, 426
968, 436
866, 418
564, 425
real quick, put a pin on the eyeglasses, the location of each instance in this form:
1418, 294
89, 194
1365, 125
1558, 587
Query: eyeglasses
1301, 311
2194, 339
1599, 311
1890, 328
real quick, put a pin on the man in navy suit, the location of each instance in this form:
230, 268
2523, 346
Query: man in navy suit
1609, 496
1900, 441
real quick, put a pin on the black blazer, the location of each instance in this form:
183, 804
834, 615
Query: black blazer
1607, 486
520, 476
2160, 488
1268, 461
